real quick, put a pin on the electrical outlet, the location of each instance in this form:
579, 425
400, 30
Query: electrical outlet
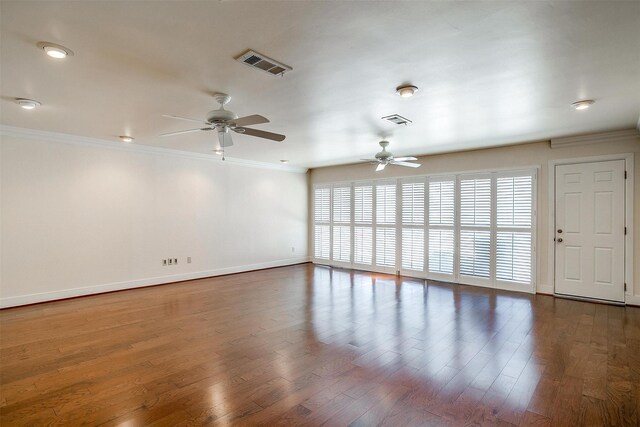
175, 261
170, 261
293, 249
164, 262
188, 260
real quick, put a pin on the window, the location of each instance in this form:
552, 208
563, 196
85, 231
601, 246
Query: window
441, 218
412, 253
514, 207
475, 227
467, 228
363, 224
341, 224
322, 217
385, 225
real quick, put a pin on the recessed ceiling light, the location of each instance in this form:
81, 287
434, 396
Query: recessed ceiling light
55, 50
27, 104
406, 91
284, 161
583, 105
126, 138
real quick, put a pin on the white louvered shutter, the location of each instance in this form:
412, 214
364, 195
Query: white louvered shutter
342, 224
363, 224
514, 228
475, 223
322, 217
322, 205
475, 253
441, 218
322, 241
412, 242
385, 247
385, 225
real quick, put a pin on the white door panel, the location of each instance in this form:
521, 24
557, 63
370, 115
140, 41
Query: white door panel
589, 253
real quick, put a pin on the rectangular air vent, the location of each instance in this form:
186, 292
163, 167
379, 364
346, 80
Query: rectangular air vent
263, 63
397, 119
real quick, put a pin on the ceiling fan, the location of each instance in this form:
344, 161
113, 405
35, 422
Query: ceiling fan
223, 121
384, 158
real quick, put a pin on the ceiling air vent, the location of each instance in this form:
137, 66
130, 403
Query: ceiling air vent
397, 119
263, 63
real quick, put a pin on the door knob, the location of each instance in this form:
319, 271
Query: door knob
559, 239
559, 230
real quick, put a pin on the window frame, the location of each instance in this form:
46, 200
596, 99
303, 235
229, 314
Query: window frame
334, 223
444, 277
508, 284
401, 226
326, 261
461, 278
363, 224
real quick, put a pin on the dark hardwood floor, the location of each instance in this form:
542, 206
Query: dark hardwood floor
306, 345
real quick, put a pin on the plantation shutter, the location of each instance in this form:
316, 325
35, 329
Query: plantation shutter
363, 224
342, 224
322, 205
475, 227
412, 243
385, 225
441, 223
322, 241
322, 217
514, 228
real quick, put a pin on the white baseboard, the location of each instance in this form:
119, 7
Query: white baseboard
544, 289
632, 300
629, 299
140, 283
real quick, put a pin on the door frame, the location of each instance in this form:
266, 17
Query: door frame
628, 217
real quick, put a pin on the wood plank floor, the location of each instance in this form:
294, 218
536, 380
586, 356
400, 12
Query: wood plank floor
307, 345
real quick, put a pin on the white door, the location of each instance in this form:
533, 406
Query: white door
589, 244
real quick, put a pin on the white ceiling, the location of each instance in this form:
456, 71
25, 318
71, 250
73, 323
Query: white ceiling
490, 73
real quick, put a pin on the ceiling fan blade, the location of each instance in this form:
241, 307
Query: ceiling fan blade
182, 131
169, 116
411, 165
260, 134
372, 161
225, 139
381, 166
256, 119
402, 159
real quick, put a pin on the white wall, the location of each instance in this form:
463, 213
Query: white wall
84, 218
535, 154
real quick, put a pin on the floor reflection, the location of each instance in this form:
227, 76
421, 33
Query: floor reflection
313, 345
425, 334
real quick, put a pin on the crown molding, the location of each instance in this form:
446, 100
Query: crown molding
64, 138
616, 135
